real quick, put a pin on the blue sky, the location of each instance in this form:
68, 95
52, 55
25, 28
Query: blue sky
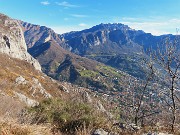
155, 16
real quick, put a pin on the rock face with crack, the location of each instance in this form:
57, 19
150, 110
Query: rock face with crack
12, 41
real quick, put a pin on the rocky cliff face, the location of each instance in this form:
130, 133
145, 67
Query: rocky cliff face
12, 41
104, 39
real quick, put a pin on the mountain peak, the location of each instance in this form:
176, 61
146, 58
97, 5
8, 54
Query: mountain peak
108, 26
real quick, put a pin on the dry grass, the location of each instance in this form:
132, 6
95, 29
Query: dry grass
6, 129
71, 117
11, 127
10, 107
11, 68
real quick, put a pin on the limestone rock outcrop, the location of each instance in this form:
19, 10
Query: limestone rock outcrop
12, 41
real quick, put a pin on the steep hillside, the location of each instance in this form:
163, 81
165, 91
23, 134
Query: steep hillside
20, 91
29, 86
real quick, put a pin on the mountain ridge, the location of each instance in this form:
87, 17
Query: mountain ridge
102, 42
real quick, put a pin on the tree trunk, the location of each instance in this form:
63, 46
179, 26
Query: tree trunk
136, 120
173, 105
173, 122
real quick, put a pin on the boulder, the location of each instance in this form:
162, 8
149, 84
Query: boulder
29, 102
100, 132
132, 127
20, 80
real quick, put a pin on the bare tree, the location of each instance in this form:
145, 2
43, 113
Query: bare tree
147, 104
168, 57
138, 100
160, 91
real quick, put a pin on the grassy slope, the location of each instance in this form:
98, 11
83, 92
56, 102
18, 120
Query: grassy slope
10, 69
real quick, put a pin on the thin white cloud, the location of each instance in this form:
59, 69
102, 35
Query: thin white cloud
151, 27
79, 15
83, 25
128, 18
65, 29
156, 26
67, 4
45, 3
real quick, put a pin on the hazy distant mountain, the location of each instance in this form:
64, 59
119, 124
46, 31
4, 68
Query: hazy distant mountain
116, 45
